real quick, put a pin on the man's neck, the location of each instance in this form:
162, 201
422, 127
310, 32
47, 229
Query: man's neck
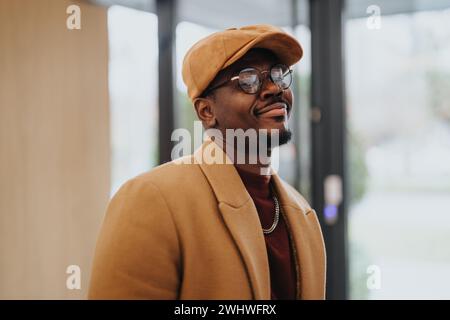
262, 166
254, 168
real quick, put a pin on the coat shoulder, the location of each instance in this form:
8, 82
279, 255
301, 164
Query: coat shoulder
166, 177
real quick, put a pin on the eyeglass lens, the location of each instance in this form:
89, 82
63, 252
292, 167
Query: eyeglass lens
250, 79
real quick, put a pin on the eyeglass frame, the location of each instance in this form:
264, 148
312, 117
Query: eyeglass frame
290, 70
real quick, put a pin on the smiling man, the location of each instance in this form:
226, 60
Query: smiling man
191, 229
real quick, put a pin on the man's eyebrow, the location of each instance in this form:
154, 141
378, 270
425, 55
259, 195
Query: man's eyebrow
231, 72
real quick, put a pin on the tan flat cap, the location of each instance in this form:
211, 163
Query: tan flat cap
208, 56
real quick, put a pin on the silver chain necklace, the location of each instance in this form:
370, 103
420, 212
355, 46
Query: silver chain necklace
277, 217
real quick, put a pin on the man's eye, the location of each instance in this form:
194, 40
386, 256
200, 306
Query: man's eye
236, 85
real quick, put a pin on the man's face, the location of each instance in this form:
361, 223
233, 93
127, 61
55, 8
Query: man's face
269, 108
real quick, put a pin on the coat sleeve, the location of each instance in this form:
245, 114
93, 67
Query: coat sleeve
138, 252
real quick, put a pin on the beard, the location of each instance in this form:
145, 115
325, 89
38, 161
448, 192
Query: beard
284, 136
246, 147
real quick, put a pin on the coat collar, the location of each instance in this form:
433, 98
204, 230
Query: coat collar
242, 220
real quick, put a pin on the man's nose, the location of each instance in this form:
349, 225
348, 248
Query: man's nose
269, 89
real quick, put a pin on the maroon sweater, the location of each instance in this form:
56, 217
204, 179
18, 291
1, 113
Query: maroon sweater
279, 251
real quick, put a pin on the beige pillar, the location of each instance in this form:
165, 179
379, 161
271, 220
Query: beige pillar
54, 145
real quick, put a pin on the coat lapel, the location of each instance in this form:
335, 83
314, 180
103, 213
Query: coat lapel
307, 239
240, 216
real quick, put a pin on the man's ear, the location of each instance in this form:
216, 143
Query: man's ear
205, 112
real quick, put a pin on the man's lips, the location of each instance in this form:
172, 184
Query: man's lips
273, 110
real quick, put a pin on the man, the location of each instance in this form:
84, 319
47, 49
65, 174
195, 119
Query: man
192, 229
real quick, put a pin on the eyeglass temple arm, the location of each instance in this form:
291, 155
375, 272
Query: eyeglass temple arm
220, 85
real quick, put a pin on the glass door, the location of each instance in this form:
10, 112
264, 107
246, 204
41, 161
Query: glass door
398, 153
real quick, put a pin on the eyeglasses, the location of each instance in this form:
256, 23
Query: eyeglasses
251, 79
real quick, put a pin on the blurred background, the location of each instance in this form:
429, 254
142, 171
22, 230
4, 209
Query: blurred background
91, 91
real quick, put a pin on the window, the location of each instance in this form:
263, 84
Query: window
399, 156
133, 86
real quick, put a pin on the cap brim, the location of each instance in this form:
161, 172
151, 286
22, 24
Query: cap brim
286, 48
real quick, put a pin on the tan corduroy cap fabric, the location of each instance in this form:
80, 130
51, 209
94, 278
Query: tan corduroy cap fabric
219, 50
